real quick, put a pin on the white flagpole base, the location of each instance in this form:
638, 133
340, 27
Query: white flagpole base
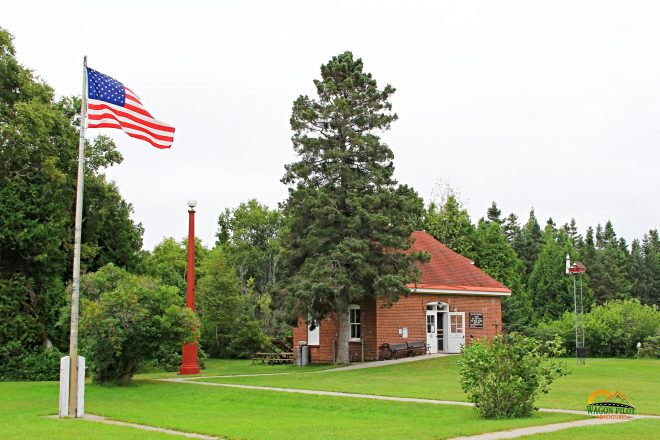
64, 387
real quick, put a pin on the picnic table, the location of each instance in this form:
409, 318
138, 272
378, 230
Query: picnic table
273, 358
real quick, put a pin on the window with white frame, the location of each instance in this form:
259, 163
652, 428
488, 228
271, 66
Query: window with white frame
313, 332
355, 323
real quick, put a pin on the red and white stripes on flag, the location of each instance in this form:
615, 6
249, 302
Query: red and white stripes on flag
112, 105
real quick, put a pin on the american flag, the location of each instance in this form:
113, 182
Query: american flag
110, 104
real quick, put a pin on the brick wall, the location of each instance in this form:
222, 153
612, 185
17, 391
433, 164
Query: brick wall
410, 312
381, 324
368, 330
329, 332
324, 352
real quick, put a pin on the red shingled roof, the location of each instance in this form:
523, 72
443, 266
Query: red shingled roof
448, 270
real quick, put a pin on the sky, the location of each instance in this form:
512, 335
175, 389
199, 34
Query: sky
550, 104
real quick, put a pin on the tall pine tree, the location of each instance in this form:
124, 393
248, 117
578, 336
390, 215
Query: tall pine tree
644, 269
529, 242
350, 220
496, 257
451, 225
551, 290
609, 268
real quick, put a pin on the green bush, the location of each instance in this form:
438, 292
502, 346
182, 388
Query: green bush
249, 339
133, 320
42, 365
650, 348
612, 329
505, 376
27, 366
170, 361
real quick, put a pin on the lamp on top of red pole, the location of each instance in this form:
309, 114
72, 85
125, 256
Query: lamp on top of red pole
189, 363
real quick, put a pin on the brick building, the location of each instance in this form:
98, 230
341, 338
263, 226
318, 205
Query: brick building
454, 303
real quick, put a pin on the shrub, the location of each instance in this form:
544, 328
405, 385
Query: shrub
170, 361
611, 329
650, 348
35, 365
42, 365
505, 376
249, 339
133, 320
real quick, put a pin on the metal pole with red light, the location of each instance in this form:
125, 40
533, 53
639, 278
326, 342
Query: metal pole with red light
189, 364
578, 269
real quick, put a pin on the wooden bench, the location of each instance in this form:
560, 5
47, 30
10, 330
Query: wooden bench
389, 350
419, 347
273, 358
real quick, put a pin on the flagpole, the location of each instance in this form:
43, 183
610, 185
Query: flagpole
75, 291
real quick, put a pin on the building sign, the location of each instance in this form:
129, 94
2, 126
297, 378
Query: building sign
476, 320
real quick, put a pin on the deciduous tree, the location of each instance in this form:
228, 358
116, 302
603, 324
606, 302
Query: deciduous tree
38, 164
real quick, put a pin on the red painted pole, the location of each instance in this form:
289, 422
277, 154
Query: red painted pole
189, 363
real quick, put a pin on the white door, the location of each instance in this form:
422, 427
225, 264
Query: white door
431, 338
456, 333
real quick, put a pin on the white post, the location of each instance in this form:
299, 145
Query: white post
65, 366
75, 410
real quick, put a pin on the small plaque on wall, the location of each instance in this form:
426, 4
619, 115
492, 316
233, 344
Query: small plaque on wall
476, 320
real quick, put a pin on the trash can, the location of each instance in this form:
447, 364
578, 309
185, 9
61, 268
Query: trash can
305, 355
302, 354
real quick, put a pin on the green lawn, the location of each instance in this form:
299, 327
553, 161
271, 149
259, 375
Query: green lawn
220, 367
237, 414
255, 414
637, 429
639, 379
24, 405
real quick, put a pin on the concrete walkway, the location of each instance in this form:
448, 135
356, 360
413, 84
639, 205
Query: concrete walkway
375, 364
316, 392
101, 419
520, 432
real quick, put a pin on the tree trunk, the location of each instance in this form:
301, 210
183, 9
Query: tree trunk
342, 343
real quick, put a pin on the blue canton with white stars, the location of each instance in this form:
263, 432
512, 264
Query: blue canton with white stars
105, 88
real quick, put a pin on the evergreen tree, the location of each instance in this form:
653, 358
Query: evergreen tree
551, 290
350, 221
600, 237
571, 230
451, 225
496, 257
644, 269
550, 227
511, 229
609, 271
529, 244
494, 213
587, 248
651, 249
